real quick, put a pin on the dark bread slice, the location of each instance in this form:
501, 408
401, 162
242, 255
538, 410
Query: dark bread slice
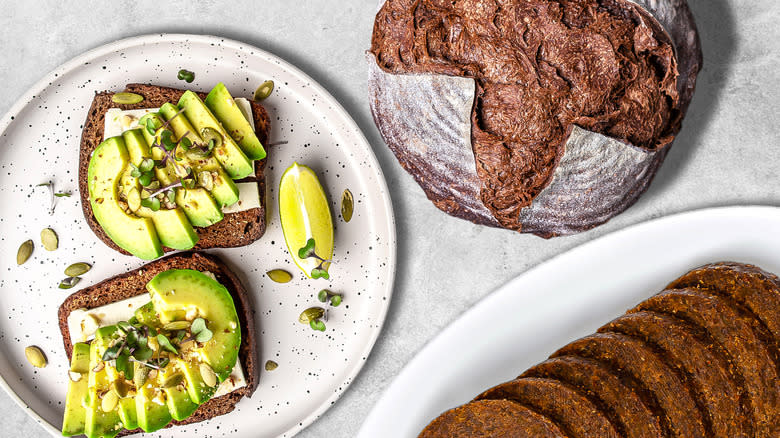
659, 387
134, 282
570, 410
236, 229
491, 419
749, 359
753, 291
618, 401
705, 373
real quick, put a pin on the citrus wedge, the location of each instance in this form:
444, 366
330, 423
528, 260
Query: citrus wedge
305, 214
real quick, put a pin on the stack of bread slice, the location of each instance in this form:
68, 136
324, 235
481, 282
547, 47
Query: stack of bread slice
700, 359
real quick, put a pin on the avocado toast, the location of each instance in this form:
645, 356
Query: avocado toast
214, 216
181, 403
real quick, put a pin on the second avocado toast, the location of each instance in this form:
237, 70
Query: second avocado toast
236, 226
165, 404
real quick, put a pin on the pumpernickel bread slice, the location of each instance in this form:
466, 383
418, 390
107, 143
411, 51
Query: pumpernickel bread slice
236, 229
133, 283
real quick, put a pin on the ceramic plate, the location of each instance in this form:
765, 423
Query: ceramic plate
39, 141
566, 298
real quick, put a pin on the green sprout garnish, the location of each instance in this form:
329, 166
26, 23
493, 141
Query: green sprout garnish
63, 194
327, 296
165, 344
317, 325
314, 317
199, 330
309, 251
186, 75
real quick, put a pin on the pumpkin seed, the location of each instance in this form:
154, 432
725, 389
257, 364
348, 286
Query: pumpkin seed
176, 325
209, 134
119, 387
35, 356
279, 275
109, 402
347, 205
173, 380
127, 98
271, 365
24, 252
141, 372
209, 378
69, 282
77, 269
49, 239
311, 314
264, 90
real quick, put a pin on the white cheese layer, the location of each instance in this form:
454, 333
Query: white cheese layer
119, 121
83, 323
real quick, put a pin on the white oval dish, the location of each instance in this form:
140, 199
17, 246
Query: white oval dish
561, 300
39, 141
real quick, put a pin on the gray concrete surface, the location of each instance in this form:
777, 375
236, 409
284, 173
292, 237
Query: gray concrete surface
727, 154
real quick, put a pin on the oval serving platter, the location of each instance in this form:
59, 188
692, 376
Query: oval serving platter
563, 299
39, 142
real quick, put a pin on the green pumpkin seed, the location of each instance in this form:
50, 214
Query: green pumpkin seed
271, 365
119, 387
279, 275
209, 134
141, 372
209, 378
77, 269
69, 282
127, 98
264, 90
173, 380
176, 325
24, 252
347, 205
49, 239
35, 356
311, 314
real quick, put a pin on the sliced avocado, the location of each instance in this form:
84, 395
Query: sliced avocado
74, 420
97, 422
199, 206
221, 103
193, 290
127, 413
173, 228
196, 388
224, 190
133, 234
228, 153
150, 406
179, 403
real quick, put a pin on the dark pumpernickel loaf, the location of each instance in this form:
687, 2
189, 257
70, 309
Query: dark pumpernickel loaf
699, 359
134, 282
236, 229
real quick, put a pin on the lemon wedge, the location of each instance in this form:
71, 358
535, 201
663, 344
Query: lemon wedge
305, 214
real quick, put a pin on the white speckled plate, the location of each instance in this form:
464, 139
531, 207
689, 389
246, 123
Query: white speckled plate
561, 300
39, 141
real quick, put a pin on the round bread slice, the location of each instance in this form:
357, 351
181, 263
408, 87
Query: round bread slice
659, 387
491, 419
732, 336
458, 113
706, 374
573, 412
619, 402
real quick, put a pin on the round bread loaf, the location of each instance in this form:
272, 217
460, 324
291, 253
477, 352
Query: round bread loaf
540, 116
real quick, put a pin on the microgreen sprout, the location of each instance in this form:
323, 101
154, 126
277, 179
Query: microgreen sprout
63, 194
199, 330
309, 251
53, 195
185, 75
327, 296
315, 317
